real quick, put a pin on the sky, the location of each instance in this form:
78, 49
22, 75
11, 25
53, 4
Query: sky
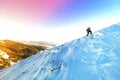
57, 21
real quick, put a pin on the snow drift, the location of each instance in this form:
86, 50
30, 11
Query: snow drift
87, 58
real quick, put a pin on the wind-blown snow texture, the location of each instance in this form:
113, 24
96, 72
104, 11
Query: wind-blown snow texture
80, 59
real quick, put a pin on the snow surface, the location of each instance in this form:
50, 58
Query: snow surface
87, 58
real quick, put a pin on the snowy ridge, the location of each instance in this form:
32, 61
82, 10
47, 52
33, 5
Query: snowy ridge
80, 59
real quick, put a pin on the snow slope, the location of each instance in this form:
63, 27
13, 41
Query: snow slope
80, 59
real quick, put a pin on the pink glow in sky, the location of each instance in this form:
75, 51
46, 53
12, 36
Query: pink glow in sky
33, 10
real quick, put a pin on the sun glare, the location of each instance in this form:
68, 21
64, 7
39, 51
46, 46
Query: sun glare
10, 29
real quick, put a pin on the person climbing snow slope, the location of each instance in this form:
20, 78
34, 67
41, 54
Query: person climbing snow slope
88, 31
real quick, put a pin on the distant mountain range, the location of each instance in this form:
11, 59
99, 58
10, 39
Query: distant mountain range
14, 51
38, 44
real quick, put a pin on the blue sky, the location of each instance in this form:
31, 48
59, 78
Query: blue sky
84, 11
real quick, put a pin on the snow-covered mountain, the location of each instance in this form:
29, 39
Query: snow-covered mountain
87, 58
